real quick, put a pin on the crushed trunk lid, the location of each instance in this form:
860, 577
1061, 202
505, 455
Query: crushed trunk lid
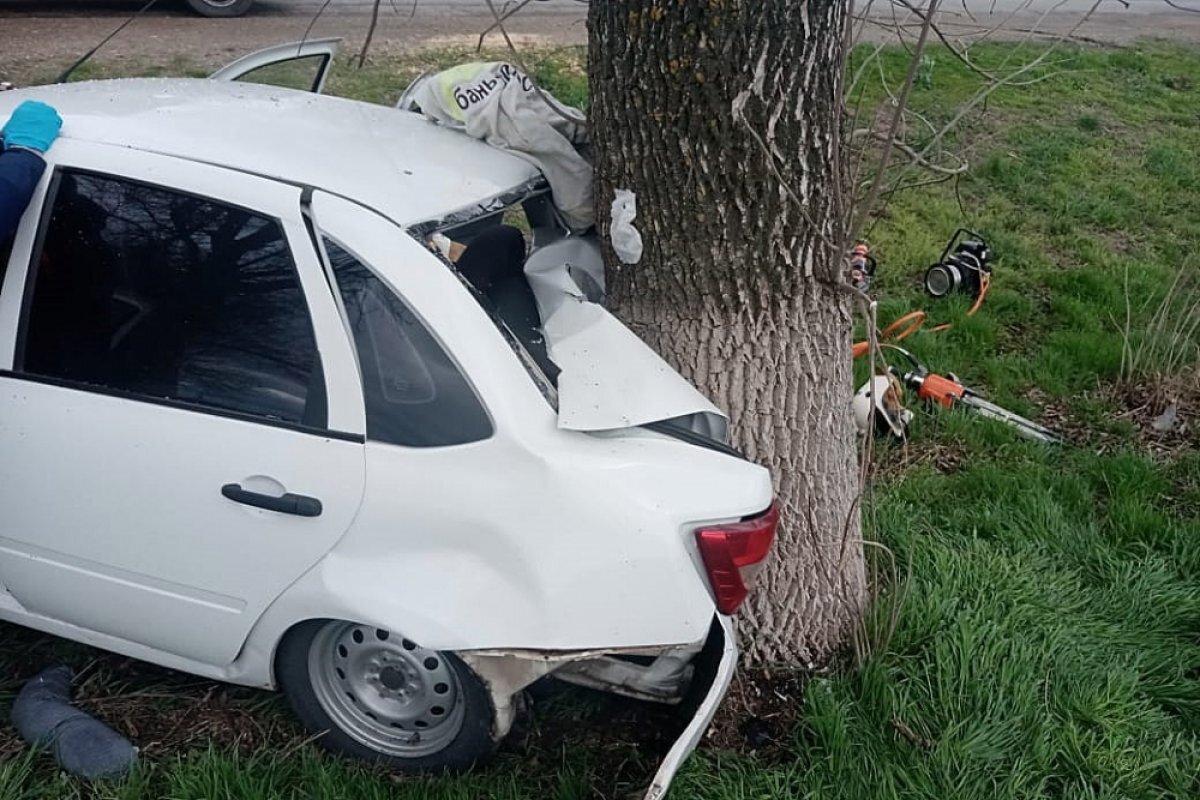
610, 378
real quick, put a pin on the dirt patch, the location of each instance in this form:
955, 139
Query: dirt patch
624, 740
161, 711
37, 41
760, 714
1164, 413
892, 459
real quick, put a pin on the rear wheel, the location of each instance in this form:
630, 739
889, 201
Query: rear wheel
220, 8
377, 695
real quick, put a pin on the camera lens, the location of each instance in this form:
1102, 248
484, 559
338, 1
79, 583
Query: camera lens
941, 279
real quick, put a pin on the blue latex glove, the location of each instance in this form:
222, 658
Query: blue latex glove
33, 125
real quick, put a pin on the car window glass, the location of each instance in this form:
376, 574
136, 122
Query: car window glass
300, 73
165, 295
414, 393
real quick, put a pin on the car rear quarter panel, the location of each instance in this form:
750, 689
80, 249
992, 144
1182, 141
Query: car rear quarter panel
585, 544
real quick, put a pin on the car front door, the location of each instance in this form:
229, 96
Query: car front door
180, 414
296, 65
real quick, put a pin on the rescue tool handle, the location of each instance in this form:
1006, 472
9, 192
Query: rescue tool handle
298, 504
940, 390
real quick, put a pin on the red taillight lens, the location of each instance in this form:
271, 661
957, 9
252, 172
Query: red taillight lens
732, 554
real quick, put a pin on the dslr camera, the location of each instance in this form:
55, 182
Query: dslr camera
962, 266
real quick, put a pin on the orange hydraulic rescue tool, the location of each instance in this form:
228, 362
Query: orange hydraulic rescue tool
948, 391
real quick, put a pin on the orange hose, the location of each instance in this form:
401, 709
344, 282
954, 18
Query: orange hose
985, 280
915, 319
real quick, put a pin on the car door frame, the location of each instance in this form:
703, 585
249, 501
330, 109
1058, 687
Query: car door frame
281, 54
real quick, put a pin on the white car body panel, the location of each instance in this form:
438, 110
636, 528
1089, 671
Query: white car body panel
524, 584
146, 548
396, 162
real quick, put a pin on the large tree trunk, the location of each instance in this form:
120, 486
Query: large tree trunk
738, 285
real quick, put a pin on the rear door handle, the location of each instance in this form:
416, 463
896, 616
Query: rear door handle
298, 504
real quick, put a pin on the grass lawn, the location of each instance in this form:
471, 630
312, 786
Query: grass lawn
1048, 643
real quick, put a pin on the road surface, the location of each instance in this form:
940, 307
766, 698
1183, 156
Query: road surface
36, 33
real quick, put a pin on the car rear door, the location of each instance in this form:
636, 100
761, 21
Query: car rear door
180, 412
300, 65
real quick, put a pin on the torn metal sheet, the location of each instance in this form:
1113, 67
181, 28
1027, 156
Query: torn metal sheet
662, 681
489, 205
610, 378
506, 676
687, 741
711, 671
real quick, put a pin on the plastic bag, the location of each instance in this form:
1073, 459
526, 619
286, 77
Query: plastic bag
626, 240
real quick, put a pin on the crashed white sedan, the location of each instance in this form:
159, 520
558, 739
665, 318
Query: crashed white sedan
252, 427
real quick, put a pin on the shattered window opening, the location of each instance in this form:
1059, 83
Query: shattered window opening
522, 333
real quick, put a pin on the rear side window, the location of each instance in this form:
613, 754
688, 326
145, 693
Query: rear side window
164, 295
415, 395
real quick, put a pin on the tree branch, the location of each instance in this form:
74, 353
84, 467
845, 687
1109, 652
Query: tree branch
909, 80
362, 56
914, 156
521, 63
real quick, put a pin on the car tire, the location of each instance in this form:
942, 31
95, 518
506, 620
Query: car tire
375, 695
220, 8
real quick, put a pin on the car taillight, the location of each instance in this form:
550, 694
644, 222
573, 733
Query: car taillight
734, 553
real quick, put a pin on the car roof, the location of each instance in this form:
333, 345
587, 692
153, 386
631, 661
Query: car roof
407, 168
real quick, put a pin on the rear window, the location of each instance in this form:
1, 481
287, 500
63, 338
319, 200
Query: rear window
414, 393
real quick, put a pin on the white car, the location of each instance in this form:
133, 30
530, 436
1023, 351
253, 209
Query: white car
255, 429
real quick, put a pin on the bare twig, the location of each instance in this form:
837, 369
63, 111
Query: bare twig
914, 156
961, 56
987, 91
521, 63
311, 23
908, 733
500, 21
362, 56
909, 80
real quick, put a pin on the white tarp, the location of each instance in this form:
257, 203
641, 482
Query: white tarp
498, 103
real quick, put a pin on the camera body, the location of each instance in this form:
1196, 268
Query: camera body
962, 267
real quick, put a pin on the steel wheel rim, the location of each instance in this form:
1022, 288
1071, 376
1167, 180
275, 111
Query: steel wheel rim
384, 691
219, 3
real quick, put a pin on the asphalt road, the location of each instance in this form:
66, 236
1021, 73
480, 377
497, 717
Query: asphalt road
39, 32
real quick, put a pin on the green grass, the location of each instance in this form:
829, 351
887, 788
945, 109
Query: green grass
1049, 637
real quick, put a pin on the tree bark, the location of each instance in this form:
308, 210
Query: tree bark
738, 286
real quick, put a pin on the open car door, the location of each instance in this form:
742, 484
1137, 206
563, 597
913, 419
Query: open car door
295, 65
